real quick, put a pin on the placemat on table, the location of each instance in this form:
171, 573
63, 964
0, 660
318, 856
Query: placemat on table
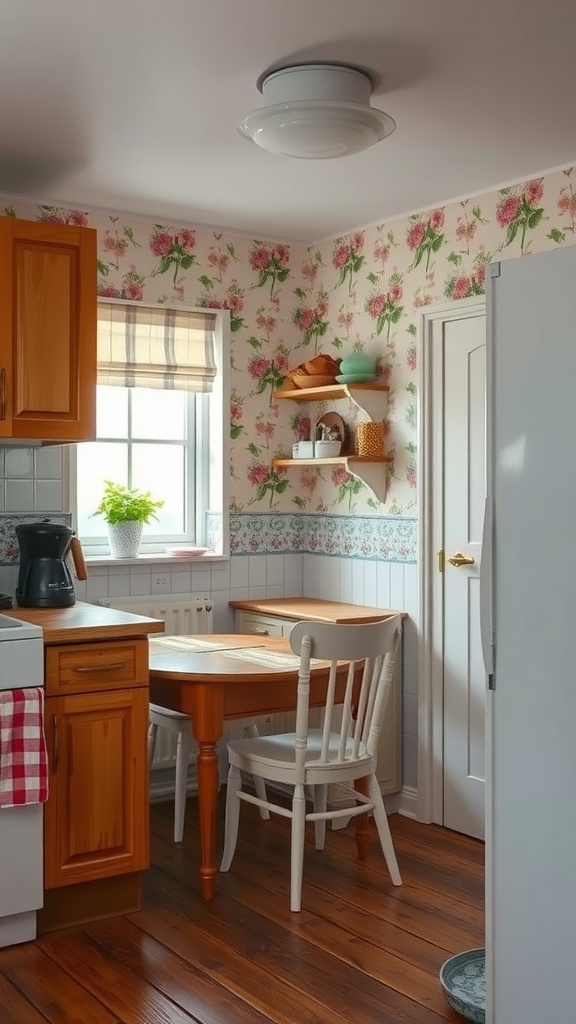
259, 657
187, 643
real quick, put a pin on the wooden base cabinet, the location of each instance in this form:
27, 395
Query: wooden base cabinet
96, 820
48, 303
96, 816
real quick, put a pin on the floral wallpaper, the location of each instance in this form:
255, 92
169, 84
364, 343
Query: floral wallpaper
287, 303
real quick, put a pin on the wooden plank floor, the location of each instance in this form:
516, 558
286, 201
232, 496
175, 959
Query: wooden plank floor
360, 951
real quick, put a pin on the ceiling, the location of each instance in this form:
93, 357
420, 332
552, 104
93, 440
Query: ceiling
131, 105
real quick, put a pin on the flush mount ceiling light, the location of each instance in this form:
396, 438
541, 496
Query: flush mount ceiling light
316, 112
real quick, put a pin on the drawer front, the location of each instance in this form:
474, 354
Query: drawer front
107, 665
259, 625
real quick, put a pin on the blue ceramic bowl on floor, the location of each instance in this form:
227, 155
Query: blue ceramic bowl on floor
463, 979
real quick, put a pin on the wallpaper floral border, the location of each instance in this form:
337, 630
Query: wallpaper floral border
386, 538
359, 292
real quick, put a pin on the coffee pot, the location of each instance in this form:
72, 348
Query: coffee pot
44, 579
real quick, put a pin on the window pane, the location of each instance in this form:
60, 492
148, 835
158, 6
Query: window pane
111, 412
158, 414
97, 461
160, 469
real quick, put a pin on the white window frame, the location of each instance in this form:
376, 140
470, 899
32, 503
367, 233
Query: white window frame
212, 482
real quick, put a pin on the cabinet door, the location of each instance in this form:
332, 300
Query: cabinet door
96, 816
47, 331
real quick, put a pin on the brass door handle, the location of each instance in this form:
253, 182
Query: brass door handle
459, 559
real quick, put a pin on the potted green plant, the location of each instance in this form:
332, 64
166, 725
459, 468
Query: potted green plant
126, 509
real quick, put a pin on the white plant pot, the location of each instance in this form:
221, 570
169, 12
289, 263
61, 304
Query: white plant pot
124, 539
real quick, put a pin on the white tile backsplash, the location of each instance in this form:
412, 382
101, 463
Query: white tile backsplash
180, 582
275, 571
48, 495
239, 571
48, 462
140, 583
383, 585
370, 584
256, 571
220, 577
19, 495
292, 575
19, 462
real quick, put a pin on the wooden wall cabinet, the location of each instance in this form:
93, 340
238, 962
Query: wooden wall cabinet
47, 331
96, 816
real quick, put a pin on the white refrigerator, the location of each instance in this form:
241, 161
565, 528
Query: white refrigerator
528, 606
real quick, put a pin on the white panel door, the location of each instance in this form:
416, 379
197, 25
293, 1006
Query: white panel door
464, 351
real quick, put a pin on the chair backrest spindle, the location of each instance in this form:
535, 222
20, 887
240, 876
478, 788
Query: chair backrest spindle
370, 650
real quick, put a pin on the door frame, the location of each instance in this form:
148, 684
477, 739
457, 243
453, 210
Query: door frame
430, 477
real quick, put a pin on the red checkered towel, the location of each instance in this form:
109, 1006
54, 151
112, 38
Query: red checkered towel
23, 757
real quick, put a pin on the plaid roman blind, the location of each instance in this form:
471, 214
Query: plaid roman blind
155, 347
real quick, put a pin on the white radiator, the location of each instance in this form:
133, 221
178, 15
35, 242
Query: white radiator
189, 615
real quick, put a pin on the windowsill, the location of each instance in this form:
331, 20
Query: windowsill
154, 559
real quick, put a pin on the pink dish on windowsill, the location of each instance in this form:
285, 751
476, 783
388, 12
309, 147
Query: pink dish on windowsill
186, 552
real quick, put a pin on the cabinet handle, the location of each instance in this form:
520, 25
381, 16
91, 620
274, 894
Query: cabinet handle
56, 744
259, 631
101, 668
2, 394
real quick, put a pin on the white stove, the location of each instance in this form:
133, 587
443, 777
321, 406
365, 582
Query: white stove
21, 880
15, 629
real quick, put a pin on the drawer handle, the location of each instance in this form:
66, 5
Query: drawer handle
259, 631
2, 394
101, 668
56, 744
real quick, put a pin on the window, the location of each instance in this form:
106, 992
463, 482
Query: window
159, 428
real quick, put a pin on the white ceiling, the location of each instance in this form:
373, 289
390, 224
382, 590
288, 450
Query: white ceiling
131, 105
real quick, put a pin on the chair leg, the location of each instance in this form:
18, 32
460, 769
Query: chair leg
297, 847
320, 799
152, 734
181, 786
259, 784
232, 817
381, 819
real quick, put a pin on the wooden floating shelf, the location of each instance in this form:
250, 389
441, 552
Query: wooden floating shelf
328, 392
370, 398
364, 468
342, 460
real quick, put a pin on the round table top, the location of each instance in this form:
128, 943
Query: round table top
224, 657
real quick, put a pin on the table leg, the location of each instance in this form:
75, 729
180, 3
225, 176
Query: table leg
207, 768
362, 823
208, 726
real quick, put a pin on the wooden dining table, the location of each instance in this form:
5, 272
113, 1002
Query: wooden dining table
229, 676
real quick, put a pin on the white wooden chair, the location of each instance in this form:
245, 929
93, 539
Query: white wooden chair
181, 725
342, 751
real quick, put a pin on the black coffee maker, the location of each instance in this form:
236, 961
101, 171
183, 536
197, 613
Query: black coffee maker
44, 580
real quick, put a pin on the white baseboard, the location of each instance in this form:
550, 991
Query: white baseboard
408, 802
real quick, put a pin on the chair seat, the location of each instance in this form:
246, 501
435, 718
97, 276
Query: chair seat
175, 716
274, 758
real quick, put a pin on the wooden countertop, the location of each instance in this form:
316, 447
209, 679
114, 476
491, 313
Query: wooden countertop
86, 622
304, 608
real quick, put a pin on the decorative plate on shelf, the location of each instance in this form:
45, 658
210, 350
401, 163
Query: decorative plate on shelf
355, 378
332, 421
463, 979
